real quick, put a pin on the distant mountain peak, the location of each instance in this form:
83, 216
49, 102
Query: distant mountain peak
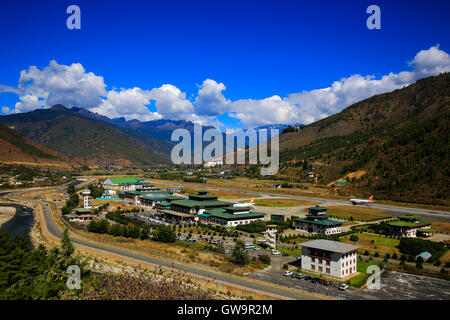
59, 107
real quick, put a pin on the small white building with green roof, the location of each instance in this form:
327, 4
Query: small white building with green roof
317, 221
409, 226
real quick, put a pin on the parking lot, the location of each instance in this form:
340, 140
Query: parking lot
394, 286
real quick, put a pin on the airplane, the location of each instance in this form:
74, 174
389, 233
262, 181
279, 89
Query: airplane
250, 204
361, 201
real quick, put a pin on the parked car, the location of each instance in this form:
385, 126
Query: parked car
308, 278
300, 275
343, 286
275, 251
336, 284
322, 281
285, 255
294, 275
288, 273
314, 280
328, 283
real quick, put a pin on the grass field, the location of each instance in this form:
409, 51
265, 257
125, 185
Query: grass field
361, 279
282, 202
358, 213
380, 244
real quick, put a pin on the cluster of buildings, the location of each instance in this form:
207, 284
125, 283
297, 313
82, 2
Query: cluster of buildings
202, 206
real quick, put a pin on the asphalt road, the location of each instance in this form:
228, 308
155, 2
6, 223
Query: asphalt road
443, 216
394, 286
55, 231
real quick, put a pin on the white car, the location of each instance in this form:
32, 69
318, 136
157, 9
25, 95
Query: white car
288, 273
343, 286
276, 252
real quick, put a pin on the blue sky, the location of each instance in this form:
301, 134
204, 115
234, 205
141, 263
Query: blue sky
263, 59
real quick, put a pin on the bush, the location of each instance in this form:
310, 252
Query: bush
366, 253
100, 226
354, 238
164, 233
376, 255
437, 263
395, 256
419, 266
264, 258
415, 246
239, 256
387, 256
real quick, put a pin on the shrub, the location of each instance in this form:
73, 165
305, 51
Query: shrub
264, 258
354, 238
164, 233
239, 256
437, 263
376, 254
366, 253
415, 246
395, 256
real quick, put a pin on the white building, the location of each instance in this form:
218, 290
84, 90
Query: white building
230, 216
330, 258
271, 237
86, 194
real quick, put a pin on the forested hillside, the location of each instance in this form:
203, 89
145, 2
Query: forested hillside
398, 143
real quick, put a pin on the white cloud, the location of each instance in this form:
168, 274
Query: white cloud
56, 83
6, 110
271, 110
316, 104
127, 103
210, 100
171, 102
28, 102
73, 86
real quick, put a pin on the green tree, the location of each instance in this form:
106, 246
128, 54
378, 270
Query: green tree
239, 255
164, 233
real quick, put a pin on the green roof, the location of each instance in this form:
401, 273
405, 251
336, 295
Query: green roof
161, 198
194, 203
325, 222
317, 208
409, 224
410, 217
230, 216
123, 180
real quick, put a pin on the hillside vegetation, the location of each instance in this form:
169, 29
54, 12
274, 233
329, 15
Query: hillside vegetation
399, 139
16, 148
95, 141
